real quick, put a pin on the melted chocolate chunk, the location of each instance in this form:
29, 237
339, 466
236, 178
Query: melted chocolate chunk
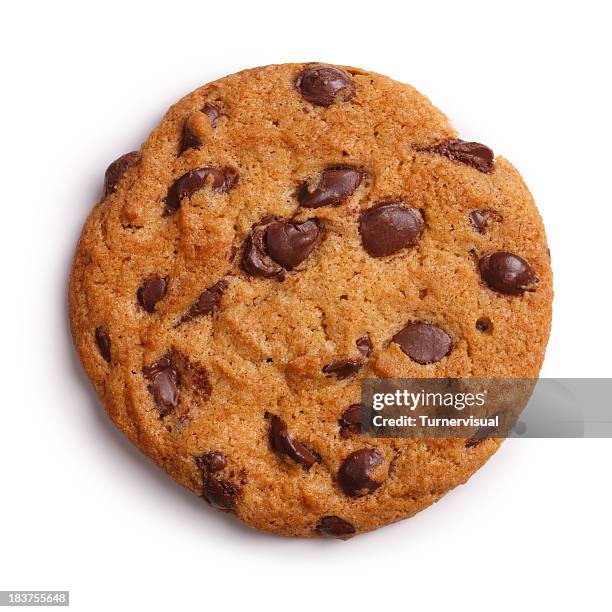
212, 112
207, 303
275, 246
282, 442
289, 243
491, 431
350, 421
389, 227
255, 259
335, 527
364, 345
220, 494
478, 221
472, 154
334, 187
151, 291
344, 368
355, 476
213, 461
506, 273
322, 85
163, 386
482, 218
484, 325
423, 342
117, 169
103, 342
189, 139
222, 180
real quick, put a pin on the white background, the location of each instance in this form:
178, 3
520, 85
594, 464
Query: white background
82, 510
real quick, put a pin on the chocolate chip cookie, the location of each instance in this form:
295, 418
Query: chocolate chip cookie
284, 233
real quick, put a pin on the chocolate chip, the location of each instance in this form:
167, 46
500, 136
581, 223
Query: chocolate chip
334, 187
220, 494
344, 368
354, 475
103, 342
231, 252
213, 461
506, 273
189, 139
212, 112
476, 439
423, 342
488, 431
335, 527
222, 179
207, 303
484, 325
478, 221
322, 85
481, 219
164, 385
350, 421
151, 291
473, 154
117, 169
388, 227
289, 243
364, 345
282, 442
275, 246
255, 260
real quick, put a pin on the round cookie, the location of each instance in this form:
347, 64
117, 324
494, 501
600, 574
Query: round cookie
282, 234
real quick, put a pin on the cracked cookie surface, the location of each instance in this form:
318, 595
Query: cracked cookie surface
282, 234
